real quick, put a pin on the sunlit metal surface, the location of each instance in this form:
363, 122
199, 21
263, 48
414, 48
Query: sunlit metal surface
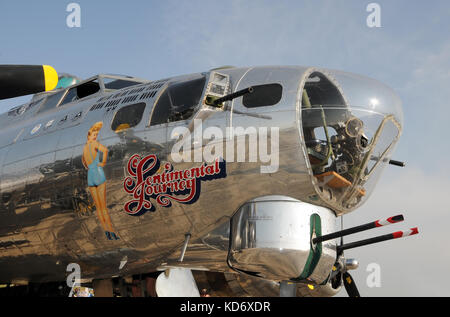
271, 237
46, 206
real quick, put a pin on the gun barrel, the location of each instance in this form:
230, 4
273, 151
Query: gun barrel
394, 235
367, 226
397, 163
236, 94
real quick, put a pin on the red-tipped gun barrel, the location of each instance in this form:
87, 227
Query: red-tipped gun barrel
395, 235
367, 226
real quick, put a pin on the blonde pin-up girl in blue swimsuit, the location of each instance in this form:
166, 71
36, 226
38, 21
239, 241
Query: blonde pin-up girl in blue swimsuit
96, 177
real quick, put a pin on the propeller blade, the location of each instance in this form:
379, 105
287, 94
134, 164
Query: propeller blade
350, 285
21, 80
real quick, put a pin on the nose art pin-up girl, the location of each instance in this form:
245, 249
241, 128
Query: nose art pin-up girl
96, 177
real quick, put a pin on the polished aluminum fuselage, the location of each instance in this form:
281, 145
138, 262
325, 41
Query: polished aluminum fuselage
48, 217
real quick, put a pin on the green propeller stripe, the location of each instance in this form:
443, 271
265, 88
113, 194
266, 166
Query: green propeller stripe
314, 252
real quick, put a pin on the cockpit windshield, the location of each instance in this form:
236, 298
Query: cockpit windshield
350, 126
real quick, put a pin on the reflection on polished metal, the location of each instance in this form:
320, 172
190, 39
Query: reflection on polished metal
351, 264
288, 289
243, 285
48, 213
271, 238
123, 262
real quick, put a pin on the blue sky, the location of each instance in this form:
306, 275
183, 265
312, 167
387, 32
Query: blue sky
156, 39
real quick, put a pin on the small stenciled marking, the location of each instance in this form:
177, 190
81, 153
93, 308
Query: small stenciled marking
49, 124
35, 129
63, 119
77, 116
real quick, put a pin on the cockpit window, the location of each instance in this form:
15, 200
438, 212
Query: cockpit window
128, 117
178, 101
81, 91
87, 89
70, 96
263, 95
111, 83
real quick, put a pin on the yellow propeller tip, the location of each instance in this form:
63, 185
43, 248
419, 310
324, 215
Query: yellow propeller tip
50, 77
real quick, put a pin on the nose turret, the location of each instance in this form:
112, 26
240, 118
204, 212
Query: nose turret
350, 125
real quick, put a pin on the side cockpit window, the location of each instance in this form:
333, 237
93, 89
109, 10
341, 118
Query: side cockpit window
128, 117
178, 101
70, 96
75, 93
263, 96
81, 91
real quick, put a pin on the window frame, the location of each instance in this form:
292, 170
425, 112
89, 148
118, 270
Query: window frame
40, 110
265, 105
124, 107
118, 77
76, 87
164, 89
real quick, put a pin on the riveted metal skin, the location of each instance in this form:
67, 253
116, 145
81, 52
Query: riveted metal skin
48, 216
